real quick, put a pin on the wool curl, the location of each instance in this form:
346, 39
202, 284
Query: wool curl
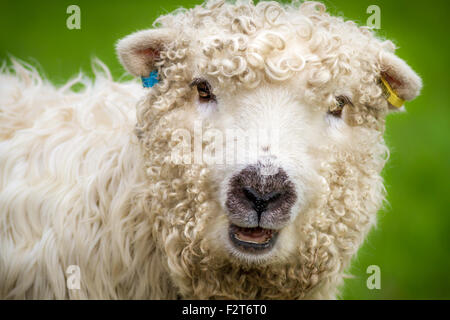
244, 45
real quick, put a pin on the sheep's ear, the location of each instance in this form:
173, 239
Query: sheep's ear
139, 51
404, 82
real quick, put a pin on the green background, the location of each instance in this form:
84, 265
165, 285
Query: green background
411, 244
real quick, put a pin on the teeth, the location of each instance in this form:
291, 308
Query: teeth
267, 237
254, 242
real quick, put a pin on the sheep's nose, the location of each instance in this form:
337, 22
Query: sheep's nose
258, 199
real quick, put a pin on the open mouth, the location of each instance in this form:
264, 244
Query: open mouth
252, 239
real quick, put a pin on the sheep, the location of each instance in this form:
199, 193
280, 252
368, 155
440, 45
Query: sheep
105, 179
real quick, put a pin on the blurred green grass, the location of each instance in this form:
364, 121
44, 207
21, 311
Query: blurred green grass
412, 241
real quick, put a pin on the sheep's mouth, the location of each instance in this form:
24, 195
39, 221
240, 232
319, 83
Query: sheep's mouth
254, 240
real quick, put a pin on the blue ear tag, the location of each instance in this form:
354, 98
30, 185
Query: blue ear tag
151, 80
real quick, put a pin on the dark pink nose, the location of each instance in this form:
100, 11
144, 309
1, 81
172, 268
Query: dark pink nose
256, 199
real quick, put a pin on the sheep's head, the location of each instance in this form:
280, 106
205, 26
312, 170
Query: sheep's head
263, 142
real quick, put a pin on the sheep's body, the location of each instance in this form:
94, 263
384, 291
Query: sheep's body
82, 184
69, 168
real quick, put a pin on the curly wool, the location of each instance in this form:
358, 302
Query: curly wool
69, 168
87, 181
244, 44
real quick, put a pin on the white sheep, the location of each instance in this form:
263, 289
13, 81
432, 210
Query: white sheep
88, 181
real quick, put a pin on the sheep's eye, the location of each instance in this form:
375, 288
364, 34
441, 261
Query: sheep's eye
204, 90
341, 102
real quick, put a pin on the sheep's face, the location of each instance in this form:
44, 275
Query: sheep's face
274, 153
264, 134
263, 146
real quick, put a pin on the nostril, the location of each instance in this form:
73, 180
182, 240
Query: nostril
258, 201
251, 194
272, 197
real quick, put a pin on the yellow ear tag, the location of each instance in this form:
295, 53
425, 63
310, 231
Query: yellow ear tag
391, 95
